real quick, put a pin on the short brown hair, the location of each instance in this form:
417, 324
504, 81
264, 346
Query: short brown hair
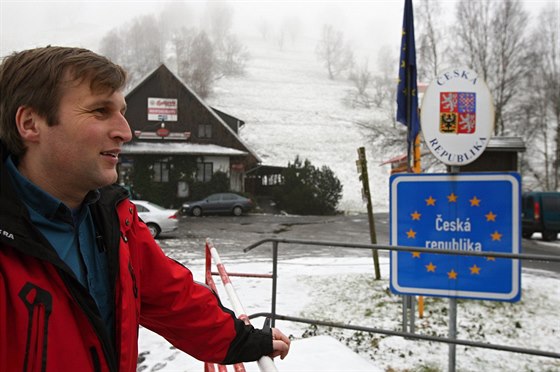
35, 78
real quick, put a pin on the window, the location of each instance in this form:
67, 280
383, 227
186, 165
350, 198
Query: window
205, 131
204, 172
141, 208
161, 171
214, 198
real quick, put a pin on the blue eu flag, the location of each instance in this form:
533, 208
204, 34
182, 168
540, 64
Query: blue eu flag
407, 97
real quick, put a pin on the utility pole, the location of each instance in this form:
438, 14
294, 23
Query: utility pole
361, 165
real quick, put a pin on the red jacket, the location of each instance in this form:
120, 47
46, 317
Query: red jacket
48, 321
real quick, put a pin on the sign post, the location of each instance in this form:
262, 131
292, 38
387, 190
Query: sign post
475, 212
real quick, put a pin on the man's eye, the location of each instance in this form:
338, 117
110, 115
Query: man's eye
100, 111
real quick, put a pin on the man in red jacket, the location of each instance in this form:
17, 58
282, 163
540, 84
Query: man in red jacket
79, 272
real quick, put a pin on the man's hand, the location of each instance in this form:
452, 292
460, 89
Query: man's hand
280, 344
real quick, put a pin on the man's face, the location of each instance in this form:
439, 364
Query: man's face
82, 149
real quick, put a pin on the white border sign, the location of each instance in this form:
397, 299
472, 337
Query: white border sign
457, 116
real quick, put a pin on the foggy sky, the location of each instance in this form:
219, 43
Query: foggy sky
368, 24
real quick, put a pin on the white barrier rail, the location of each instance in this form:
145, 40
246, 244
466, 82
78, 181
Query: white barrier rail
265, 363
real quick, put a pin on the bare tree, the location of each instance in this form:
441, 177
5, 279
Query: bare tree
174, 16
280, 37
510, 57
196, 61
361, 79
137, 47
287, 30
541, 110
219, 20
492, 37
263, 26
381, 131
385, 83
112, 46
233, 57
141, 45
230, 55
292, 27
473, 31
334, 51
430, 40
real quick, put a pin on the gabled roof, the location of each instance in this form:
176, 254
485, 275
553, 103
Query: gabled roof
164, 67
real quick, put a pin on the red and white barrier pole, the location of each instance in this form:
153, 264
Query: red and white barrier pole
265, 363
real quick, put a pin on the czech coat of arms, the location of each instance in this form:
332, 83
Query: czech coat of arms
457, 112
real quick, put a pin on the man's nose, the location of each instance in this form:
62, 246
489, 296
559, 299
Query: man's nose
121, 128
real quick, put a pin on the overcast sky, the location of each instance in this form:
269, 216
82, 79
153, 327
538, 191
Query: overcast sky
25, 23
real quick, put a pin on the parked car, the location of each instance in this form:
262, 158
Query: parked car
540, 212
158, 219
219, 203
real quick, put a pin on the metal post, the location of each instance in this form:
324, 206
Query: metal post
405, 313
408, 308
274, 281
452, 332
453, 313
412, 311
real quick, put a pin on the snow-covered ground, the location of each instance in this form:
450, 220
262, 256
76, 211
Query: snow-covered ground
342, 289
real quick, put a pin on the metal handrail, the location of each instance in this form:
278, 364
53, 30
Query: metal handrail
523, 256
410, 335
273, 315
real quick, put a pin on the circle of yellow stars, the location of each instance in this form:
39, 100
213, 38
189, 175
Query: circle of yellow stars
453, 198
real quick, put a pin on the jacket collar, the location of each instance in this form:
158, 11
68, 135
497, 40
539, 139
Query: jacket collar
17, 230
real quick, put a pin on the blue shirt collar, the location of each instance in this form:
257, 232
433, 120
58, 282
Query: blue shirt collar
42, 202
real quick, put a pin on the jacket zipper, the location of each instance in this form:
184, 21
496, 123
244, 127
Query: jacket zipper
39, 306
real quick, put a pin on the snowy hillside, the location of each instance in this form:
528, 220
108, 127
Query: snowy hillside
291, 108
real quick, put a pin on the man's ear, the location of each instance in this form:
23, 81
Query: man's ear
27, 122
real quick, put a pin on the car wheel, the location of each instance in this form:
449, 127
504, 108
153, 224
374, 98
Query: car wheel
549, 235
237, 211
154, 229
527, 234
197, 211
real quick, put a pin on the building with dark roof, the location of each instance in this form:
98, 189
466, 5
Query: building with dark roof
179, 142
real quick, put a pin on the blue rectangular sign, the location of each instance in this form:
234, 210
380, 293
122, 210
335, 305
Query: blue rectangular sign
463, 212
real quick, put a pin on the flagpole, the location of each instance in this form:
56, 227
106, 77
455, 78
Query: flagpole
409, 143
